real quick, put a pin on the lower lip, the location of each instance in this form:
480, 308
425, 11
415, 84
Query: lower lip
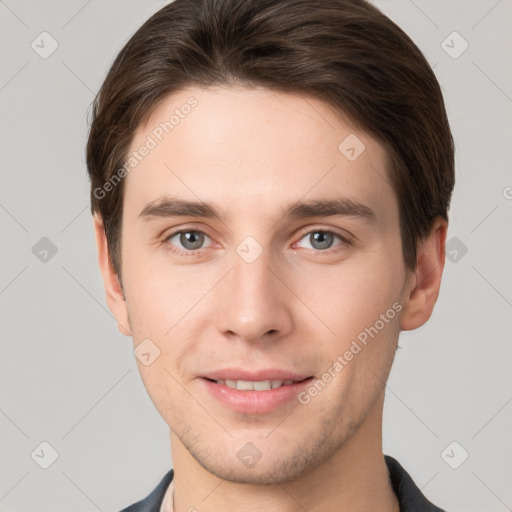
255, 402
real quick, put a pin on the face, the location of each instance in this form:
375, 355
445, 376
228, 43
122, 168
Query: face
252, 289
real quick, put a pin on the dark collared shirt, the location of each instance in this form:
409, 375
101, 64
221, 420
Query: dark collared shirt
409, 496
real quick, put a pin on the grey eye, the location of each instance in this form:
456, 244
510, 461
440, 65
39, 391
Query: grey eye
320, 240
190, 240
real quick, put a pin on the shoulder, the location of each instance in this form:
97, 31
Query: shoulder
410, 497
153, 501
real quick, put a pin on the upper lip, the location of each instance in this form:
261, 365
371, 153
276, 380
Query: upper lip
256, 376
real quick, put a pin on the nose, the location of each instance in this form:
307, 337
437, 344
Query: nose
254, 304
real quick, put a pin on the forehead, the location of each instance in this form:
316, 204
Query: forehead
254, 148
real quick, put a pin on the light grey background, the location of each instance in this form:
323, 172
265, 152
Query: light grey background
69, 378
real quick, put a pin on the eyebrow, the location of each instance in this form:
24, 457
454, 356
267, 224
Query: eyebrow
175, 207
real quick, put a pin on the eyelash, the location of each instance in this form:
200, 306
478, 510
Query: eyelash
345, 242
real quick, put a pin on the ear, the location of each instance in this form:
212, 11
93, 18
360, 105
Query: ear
113, 290
422, 289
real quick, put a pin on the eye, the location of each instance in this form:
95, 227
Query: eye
322, 239
189, 239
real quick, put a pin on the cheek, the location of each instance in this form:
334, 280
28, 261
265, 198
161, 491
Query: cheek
159, 293
362, 308
350, 296
360, 303
167, 395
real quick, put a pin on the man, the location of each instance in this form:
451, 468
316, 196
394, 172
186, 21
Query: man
270, 184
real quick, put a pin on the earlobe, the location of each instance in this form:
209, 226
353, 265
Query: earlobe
113, 290
423, 287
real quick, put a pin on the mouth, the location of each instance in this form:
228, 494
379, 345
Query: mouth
259, 385
251, 396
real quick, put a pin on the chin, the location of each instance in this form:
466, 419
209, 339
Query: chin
269, 473
276, 464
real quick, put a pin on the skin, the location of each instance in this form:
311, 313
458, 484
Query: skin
296, 307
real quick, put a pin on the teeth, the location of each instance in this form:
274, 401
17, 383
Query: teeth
262, 385
244, 385
248, 385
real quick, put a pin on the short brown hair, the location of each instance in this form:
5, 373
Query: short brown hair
344, 52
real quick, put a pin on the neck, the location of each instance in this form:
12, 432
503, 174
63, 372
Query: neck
355, 478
